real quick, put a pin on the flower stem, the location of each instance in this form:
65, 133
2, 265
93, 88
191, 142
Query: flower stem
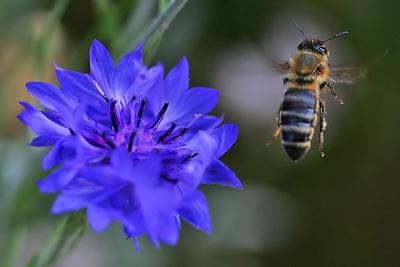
65, 236
14, 245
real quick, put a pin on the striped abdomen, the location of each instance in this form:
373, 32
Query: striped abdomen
298, 118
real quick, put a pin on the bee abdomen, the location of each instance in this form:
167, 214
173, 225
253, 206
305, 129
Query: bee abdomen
298, 118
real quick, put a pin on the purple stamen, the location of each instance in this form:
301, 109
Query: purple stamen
169, 179
131, 139
106, 98
160, 115
189, 157
140, 114
180, 133
114, 117
167, 133
186, 128
108, 142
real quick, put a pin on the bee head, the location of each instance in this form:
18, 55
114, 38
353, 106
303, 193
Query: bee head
313, 45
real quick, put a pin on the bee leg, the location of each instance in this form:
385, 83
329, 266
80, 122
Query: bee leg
277, 131
274, 136
331, 89
322, 127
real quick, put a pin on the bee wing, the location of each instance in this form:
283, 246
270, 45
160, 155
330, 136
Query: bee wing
348, 75
278, 65
281, 67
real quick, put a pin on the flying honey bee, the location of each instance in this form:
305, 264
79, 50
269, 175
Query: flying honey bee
307, 74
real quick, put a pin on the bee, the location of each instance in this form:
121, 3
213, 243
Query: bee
307, 74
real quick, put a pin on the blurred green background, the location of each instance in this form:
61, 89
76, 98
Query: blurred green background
342, 210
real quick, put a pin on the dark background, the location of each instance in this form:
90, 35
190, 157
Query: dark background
342, 210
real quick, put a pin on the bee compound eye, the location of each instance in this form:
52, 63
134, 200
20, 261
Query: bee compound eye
320, 49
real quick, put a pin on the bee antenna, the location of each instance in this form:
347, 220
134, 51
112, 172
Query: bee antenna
335, 36
300, 30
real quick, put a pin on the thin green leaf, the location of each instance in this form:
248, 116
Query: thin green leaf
138, 19
45, 40
65, 237
106, 18
162, 4
155, 40
153, 33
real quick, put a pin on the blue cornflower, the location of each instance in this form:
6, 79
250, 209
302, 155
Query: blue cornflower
131, 145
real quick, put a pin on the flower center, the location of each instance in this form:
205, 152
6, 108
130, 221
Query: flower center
139, 132
135, 129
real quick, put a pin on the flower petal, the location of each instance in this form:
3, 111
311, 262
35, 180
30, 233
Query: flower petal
205, 145
153, 87
226, 136
167, 228
219, 173
40, 124
52, 158
198, 100
44, 141
206, 123
144, 172
194, 210
127, 72
102, 67
98, 218
134, 226
48, 95
69, 202
177, 81
80, 86
56, 180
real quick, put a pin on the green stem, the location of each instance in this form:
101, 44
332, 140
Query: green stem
64, 237
14, 245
